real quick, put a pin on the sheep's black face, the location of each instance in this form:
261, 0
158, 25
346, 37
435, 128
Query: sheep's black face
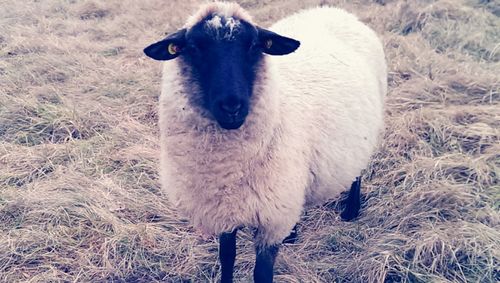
224, 56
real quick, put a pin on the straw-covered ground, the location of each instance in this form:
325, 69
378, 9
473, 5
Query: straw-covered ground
79, 193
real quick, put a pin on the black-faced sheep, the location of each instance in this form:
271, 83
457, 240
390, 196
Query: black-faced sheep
249, 139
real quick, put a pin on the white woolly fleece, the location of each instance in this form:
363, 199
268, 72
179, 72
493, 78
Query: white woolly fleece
315, 119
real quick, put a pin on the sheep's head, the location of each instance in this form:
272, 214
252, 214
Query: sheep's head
223, 50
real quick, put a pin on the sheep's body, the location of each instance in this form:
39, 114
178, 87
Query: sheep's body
314, 121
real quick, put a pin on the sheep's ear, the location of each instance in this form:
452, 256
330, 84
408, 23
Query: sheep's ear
275, 44
169, 48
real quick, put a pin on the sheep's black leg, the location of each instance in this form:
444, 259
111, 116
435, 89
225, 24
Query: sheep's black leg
264, 264
227, 255
352, 203
292, 238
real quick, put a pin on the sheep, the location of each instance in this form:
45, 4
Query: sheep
251, 140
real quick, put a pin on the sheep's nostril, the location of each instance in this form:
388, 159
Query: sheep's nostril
231, 108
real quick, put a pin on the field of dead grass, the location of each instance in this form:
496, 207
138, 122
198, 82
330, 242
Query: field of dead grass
79, 193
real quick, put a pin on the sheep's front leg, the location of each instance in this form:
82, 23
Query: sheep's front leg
227, 255
352, 203
264, 263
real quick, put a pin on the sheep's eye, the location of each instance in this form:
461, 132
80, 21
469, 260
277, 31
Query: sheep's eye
173, 49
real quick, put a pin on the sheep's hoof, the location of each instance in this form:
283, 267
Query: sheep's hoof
352, 203
292, 238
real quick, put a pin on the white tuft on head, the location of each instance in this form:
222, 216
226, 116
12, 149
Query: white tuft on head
223, 10
231, 23
222, 28
214, 23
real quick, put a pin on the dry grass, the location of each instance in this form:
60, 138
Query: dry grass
79, 193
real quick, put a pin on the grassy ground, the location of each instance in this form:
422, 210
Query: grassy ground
79, 193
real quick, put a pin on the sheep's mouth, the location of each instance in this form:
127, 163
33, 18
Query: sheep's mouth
231, 125
230, 121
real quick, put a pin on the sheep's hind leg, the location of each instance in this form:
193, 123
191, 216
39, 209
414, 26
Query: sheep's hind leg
264, 263
352, 203
227, 255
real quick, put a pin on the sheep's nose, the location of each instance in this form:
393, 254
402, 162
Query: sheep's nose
231, 108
